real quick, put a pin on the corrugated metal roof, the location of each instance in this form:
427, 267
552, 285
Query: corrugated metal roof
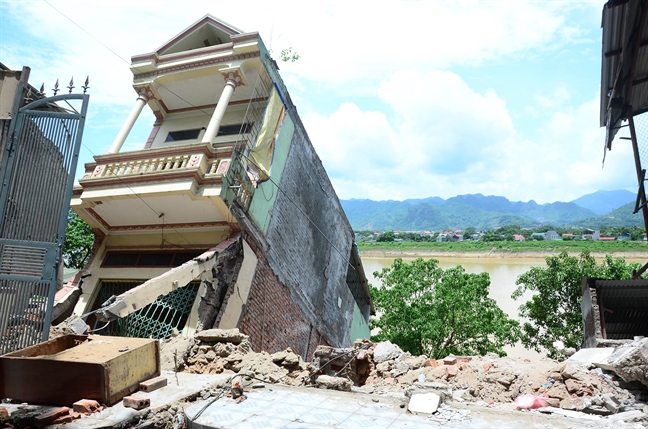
624, 69
627, 302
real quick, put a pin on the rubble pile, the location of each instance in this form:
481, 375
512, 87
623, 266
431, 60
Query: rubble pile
384, 369
220, 351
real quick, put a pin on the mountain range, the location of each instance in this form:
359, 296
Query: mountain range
601, 208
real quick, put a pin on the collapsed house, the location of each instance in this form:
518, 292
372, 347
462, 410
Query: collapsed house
226, 217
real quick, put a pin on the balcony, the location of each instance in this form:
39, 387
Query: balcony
199, 161
173, 187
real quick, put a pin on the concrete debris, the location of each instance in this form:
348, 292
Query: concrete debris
221, 336
333, 383
425, 403
386, 351
440, 389
72, 325
629, 361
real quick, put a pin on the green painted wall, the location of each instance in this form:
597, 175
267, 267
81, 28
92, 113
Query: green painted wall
266, 193
359, 327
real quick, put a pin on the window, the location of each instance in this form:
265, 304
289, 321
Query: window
174, 136
149, 259
232, 130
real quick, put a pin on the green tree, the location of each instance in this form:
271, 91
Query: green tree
554, 311
386, 236
77, 246
427, 310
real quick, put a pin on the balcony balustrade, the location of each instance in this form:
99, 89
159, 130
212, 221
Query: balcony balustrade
200, 161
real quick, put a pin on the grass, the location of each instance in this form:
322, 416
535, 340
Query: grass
509, 246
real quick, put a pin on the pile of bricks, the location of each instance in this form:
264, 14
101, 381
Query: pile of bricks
67, 415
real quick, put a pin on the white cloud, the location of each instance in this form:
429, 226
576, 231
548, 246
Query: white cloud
428, 132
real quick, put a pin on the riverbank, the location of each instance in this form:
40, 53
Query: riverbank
540, 250
493, 254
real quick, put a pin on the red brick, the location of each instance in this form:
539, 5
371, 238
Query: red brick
86, 406
487, 366
63, 419
450, 360
452, 370
47, 418
136, 403
153, 384
432, 362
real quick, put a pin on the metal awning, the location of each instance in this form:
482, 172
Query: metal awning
624, 71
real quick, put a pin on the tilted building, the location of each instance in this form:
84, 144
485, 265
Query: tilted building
226, 217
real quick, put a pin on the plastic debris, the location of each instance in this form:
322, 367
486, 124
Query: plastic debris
529, 401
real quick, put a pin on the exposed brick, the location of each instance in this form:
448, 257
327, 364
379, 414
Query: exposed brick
86, 406
452, 370
136, 403
47, 418
450, 360
153, 384
432, 362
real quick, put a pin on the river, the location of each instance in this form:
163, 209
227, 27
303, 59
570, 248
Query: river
503, 274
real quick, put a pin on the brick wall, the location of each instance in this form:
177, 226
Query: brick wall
272, 319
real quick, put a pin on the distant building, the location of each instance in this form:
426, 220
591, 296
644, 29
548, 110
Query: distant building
518, 237
551, 235
538, 236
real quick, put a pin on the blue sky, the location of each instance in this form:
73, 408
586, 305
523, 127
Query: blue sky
401, 99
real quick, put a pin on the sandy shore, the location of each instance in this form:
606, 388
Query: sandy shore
490, 254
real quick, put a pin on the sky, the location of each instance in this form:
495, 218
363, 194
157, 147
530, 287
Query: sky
401, 99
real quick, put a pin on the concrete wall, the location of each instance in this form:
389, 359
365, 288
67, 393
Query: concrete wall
592, 332
359, 326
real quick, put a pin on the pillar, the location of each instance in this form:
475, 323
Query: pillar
117, 144
219, 111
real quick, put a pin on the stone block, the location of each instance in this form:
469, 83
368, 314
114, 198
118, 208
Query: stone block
426, 403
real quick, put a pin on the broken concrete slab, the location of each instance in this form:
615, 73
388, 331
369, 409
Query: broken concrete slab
386, 351
629, 361
629, 416
590, 356
425, 403
221, 336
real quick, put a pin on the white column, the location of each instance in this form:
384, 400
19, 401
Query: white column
117, 144
219, 112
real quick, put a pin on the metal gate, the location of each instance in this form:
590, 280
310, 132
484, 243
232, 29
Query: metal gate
37, 174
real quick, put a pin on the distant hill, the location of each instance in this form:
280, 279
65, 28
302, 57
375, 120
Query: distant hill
616, 218
486, 212
603, 202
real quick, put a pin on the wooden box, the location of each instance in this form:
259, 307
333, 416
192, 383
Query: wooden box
63, 370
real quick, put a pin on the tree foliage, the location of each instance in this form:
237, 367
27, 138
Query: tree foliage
77, 246
386, 236
554, 311
428, 310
